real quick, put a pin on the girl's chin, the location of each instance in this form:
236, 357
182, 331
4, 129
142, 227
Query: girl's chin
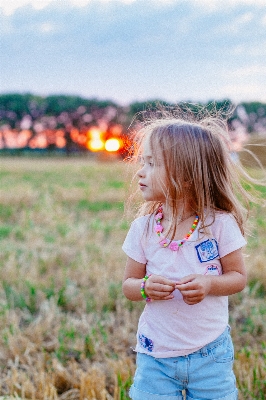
147, 198
152, 198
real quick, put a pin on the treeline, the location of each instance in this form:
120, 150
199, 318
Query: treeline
61, 121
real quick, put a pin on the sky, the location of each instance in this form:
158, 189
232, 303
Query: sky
135, 50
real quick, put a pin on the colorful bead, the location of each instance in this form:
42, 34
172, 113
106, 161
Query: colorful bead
142, 288
174, 245
163, 243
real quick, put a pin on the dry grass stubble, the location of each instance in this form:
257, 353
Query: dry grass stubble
66, 327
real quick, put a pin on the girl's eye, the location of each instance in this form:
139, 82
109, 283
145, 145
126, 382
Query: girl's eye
141, 161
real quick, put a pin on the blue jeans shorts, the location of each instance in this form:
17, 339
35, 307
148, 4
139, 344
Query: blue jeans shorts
206, 374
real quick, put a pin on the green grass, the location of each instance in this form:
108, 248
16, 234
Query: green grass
65, 325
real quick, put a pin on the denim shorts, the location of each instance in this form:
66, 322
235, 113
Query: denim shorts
206, 374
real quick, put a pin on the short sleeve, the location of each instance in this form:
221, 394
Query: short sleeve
132, 245
228, 234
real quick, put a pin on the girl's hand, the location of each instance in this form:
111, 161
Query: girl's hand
194, 288
159, 288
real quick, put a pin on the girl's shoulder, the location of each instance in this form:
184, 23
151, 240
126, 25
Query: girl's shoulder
141, 221
225, 230
223, 221
223, 216
140, 225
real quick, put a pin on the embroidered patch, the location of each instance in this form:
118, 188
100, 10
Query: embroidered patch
145, 342
212, 270
207, 250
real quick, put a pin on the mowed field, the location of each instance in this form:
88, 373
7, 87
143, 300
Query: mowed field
66, 329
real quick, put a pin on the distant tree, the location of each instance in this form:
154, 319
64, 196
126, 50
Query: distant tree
55, 112
67, 113
254, 116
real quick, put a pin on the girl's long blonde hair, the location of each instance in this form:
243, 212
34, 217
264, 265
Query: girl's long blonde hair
196, 156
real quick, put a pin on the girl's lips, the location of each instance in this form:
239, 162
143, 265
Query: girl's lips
142, 186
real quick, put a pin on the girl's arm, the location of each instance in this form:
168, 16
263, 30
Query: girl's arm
156, 287
195, 288
234, 277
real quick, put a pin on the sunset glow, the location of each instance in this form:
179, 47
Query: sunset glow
94, 139
95, 142
95, 145
112, 144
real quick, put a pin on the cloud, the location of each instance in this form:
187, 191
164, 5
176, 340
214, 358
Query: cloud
47, 27
234, 26
250, 50
10, 6
214, 5
263, 20
244, 83
134, 49
250, 91
249, 71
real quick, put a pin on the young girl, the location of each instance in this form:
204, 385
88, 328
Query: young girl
184, 259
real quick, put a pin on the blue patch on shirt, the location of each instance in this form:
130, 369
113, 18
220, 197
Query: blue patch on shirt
145, 342
207, 250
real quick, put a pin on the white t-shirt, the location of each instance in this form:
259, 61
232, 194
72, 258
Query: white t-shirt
173, 328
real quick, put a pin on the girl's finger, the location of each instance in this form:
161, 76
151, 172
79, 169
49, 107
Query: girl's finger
190, 293
192, 299
192, 302
192, 296
160, 294
161, 280
186, 279
164, 288
169, 297
187, 286
159, 287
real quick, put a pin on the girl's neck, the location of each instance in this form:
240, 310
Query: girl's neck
185, 211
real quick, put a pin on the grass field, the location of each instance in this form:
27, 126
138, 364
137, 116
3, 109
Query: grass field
66, 329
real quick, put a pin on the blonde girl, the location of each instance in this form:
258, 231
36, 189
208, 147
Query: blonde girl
184, 258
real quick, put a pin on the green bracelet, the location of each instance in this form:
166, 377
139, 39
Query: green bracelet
142, 288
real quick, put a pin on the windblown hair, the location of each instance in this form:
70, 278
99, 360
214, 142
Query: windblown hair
198, 166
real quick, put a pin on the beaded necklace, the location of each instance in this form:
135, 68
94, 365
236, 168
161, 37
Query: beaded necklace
175, 244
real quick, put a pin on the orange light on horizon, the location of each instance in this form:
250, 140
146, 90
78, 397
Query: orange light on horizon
95, 143
112, 145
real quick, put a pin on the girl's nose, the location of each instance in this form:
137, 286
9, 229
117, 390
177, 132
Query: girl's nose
140, 172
